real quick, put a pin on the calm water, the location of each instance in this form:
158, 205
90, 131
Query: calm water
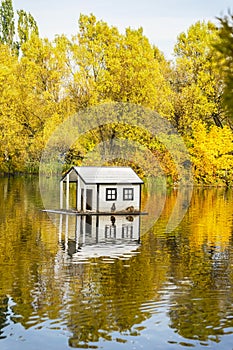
168, 291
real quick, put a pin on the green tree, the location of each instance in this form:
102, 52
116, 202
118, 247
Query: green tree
7, 23
26, 26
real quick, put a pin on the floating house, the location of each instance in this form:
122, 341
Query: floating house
102, 189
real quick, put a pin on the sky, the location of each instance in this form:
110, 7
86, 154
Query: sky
162, 20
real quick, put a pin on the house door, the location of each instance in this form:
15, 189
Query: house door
89, 194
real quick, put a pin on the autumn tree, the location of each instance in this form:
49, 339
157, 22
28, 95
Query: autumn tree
117, 67
225, 49
197, 80
12, 137
43, 101
33, 101
51, 80
211, 154
111, 67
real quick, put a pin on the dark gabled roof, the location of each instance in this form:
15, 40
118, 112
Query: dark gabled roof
104, 175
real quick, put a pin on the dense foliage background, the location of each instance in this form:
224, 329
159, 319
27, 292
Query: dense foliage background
43, 82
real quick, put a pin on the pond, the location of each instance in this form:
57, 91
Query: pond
155, 289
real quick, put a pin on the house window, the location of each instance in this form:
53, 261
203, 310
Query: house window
110, 231
127, 231
128, 194
111, 194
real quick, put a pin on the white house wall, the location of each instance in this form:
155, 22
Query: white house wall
120, 204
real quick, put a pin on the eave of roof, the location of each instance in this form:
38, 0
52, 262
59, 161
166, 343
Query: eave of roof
105, 175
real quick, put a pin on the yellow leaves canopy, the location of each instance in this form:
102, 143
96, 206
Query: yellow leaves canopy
52, 80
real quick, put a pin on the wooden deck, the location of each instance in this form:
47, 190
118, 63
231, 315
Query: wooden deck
90, 213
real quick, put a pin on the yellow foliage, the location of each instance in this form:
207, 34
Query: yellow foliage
211, 221
211, 154
52, 80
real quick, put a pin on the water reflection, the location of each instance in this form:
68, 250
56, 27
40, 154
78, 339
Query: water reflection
3, 312
92, 236
75, 287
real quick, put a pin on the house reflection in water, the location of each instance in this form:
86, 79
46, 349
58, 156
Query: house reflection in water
88, 236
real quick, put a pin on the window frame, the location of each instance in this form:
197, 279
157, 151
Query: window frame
128, 194
113, 195
127, 231
110, 231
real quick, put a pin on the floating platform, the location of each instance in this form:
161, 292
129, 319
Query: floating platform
92, 213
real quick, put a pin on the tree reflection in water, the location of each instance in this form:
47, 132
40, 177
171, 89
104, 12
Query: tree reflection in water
185, 274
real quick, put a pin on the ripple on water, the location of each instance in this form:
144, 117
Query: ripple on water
107, 252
